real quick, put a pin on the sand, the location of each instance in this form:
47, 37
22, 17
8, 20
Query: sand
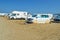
17, 30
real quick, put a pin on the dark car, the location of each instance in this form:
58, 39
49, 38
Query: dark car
57, 19
29, 20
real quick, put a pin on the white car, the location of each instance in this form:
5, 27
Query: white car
1, 14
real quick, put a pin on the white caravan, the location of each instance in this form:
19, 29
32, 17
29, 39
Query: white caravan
19, 15
42, 18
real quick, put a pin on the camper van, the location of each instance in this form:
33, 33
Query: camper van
18, 15
41, 18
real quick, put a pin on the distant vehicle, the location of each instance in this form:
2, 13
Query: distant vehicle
2, 14
41, 18
57, 18
19, 15
30, 20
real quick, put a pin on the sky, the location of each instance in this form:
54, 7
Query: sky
32, 6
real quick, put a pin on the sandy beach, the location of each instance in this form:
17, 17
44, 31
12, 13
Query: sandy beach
17, 30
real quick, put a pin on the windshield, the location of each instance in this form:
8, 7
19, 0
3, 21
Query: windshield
34, 15
44, 16
13, 15
58, 17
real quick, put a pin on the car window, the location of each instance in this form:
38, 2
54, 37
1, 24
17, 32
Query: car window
34, 15
44, 16
58, 17
13, 15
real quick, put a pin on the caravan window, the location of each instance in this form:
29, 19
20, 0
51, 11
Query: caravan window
44, 16
24, 14
17, 14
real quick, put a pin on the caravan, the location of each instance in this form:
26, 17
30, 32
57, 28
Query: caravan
18, 15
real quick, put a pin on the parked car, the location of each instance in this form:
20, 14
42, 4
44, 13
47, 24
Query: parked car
57, 19
43, 18
29, 20
2, 14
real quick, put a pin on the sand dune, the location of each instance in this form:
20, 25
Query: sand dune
17, 30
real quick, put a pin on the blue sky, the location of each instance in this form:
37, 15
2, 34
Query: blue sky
32, 6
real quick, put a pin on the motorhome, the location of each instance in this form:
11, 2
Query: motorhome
19, 15
41, 18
